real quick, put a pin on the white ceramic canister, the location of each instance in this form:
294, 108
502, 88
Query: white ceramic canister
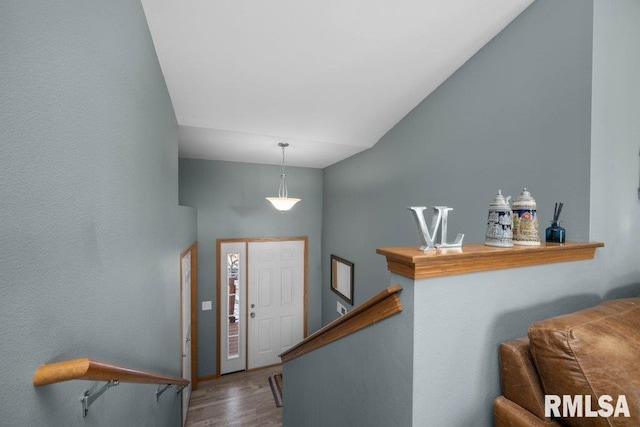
525, 220
499, 232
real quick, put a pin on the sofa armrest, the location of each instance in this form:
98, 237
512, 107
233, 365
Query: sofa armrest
509, 414
519, 378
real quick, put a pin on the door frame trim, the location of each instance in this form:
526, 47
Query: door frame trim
246, 241
194, 313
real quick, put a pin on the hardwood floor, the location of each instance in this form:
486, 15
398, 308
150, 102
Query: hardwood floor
240, 399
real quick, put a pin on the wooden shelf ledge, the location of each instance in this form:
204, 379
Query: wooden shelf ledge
88, 369
413, 263
376, 308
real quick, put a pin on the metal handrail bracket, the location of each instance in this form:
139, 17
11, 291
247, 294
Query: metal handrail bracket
88, 398
161, 390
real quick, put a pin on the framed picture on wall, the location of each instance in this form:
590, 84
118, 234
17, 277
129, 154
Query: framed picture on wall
342, 278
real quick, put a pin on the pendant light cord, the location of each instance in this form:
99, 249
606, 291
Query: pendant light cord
283, 203
282, 191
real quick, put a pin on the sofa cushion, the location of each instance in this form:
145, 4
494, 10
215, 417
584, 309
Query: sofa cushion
592, 352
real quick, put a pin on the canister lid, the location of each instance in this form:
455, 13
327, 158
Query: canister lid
524, 200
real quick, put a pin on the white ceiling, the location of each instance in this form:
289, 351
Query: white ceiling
330, 77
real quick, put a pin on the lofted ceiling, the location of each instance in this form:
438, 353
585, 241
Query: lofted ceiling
330, 77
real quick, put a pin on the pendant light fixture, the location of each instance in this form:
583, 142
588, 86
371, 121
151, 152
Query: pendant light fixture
283, 203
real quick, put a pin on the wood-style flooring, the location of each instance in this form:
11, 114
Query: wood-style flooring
240, 399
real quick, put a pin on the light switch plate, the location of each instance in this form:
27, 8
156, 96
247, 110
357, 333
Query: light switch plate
340, 309
206, 305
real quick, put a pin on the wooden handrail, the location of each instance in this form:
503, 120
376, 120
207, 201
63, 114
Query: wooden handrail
376, 308
88, 369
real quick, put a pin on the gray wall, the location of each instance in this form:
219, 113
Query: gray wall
468, 316
516, 114
615, 142
187, 226
359, 380
230, 198
459, 321
485, 309
89, 250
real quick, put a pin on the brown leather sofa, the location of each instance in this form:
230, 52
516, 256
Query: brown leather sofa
592, 353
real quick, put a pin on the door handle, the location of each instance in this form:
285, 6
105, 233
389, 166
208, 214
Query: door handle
253, 315
253, 305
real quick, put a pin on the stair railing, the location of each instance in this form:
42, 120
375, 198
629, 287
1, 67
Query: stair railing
382, 305
94, 370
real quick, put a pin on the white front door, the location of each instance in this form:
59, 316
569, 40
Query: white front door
185, 295
275, 298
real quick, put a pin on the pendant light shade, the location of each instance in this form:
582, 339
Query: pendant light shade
283, 202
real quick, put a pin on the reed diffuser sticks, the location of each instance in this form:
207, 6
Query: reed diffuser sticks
556, 211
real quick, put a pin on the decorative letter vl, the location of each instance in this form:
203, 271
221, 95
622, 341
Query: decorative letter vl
440, 216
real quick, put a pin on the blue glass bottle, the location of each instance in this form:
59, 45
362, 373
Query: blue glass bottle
555, 233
